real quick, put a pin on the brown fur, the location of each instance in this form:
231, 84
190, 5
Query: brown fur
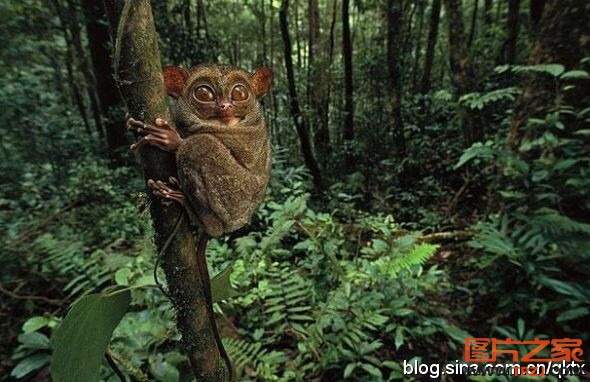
223, 169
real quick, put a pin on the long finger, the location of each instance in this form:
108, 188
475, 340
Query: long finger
163, 185
140, 143
153, 129
134, 123
162, 123
161, 143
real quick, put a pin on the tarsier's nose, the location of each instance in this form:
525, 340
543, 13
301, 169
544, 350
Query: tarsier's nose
226, 106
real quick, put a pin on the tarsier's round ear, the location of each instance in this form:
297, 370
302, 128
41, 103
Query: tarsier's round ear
174, 80
261, 81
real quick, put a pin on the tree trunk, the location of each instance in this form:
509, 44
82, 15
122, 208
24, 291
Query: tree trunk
263, 60
323, 141
202, 21
394, 23
313, 43
407, 35
536, 11
297, 35
348, 129
84, 65
430, 45
110, 100
462, 73
70, 62
564, 38
188, 20
473, 24
300, 123
113, 9
318, 83
418, 43
487, 13
139, 75
509, 48
272, 97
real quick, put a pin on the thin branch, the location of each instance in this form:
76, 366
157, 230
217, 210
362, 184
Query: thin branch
30, 297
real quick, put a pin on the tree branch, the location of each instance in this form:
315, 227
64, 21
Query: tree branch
139, 75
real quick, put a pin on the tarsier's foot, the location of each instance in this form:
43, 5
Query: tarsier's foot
162, 134
162, 190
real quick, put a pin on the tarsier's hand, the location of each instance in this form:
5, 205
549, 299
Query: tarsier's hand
162, 134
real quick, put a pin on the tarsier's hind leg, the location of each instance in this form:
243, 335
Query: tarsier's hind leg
173, 192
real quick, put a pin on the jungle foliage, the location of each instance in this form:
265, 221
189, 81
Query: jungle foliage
444, 192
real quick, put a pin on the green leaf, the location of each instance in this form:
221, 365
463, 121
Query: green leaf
147, 280
30, 364
451, 330
563, 288
520, 328
572, 314
372, 370
399, 337
539, 175
35, 323
258, 333
122, 276
477, 150
34, 340
221, 288
349, 369
565, 164
163, 370
575, 74
81, 340
502, 69
554, 69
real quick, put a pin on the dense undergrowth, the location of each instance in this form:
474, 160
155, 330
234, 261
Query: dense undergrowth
342, 284
327, 286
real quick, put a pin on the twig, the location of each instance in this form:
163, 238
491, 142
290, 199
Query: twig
441, 236
455, 198
135, 373
27, 297
114, 366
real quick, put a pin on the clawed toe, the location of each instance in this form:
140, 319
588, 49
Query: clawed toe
162, 190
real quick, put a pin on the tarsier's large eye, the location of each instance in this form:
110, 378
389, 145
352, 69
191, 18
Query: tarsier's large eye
239, 93
204, 94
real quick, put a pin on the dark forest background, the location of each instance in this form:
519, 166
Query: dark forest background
430, 183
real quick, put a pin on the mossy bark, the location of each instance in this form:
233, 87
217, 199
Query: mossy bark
139, 75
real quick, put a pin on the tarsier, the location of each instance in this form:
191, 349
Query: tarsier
219, 137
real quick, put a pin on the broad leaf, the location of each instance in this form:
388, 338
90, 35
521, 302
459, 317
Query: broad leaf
29, 364
221, 288
35, 323
573, 314
81, 340
575, 74
554, 69
477, 150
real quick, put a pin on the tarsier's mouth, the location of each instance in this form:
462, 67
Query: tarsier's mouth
228, 118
